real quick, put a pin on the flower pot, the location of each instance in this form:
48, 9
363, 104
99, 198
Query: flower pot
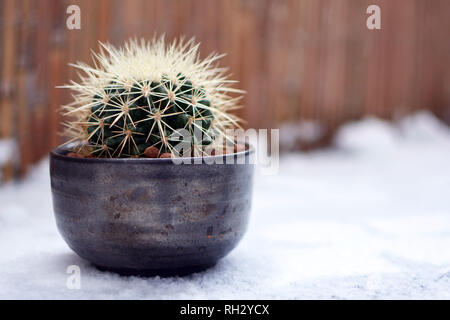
150, 216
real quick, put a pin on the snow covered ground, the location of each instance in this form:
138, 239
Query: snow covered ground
369, 218
7, 151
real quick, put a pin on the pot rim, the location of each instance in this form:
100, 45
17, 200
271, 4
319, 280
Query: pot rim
57, 153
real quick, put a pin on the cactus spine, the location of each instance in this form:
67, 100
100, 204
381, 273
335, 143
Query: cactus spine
140, 95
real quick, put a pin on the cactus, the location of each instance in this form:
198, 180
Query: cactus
137, 97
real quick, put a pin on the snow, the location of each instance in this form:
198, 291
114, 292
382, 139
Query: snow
7, 150
292, 133
368, 218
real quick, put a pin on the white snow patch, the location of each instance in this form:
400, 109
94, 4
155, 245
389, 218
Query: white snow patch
369, 219
300, 132
7, 148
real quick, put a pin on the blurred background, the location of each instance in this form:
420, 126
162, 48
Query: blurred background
307, 65
359, 207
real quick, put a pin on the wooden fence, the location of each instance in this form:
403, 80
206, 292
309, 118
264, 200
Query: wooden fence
297, 60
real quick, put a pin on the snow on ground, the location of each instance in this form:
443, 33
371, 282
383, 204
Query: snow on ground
369, 218
7, 150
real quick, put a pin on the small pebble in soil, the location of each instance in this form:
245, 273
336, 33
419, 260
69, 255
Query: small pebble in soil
166, 155
151, 152
75, 155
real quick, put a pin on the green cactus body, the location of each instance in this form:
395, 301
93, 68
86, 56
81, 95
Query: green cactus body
129, 112
129, 120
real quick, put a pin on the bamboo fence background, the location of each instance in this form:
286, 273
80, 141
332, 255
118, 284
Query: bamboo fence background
297, 60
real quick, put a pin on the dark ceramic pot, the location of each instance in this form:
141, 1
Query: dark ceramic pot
150, 216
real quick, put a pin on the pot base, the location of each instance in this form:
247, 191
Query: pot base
178, 272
